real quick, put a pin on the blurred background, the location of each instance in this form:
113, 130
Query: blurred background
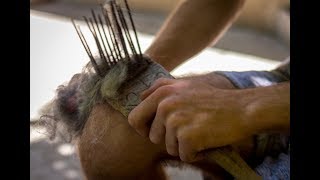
258, 40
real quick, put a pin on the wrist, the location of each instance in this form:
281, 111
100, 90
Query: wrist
219, 81
212, 79
243, 100
267, 109
249, 103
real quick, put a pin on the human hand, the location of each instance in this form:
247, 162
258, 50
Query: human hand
190, 115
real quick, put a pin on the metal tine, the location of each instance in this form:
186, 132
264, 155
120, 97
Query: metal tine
126, 30
112, 34
94, 33
113, 60
97, 25
118, 28
83, 43
93, 60
119, 39
86, 47
133, 26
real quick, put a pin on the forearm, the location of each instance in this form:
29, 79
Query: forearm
214, 79
267, 109
192, 26
267, 93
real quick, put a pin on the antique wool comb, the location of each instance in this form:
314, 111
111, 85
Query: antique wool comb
125, 72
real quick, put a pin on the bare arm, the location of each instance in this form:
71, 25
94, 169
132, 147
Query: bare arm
191, 27
191, 116
268, 108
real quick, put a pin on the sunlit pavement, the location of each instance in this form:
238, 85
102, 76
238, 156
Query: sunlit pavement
56, 54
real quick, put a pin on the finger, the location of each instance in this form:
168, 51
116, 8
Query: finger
157, 130
142, 115
158, 83
190, 147
171, 142
186, 153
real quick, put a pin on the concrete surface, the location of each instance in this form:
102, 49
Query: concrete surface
56, 54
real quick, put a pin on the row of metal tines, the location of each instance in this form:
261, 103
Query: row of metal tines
113, 40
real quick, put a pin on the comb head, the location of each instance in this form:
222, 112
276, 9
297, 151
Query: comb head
117, 73
124, 71
124, 83
112, 36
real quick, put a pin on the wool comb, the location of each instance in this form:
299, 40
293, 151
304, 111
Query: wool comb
126, 72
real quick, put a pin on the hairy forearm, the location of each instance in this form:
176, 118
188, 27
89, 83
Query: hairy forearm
213, 79
191, 27
267, 109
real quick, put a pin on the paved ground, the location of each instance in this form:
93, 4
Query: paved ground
56, 54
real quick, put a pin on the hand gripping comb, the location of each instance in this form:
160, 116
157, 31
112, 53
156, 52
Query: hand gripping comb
125, 73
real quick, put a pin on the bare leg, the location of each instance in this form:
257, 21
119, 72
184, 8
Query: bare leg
110, 149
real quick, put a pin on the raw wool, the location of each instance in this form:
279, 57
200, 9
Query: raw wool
65, 116
68, 112
113, 80
123, 73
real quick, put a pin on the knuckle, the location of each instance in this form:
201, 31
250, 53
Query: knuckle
171, 124
172, 102
165, 105
165, 90
161, 81
162, 105
174, 120
185, 138
162, 108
